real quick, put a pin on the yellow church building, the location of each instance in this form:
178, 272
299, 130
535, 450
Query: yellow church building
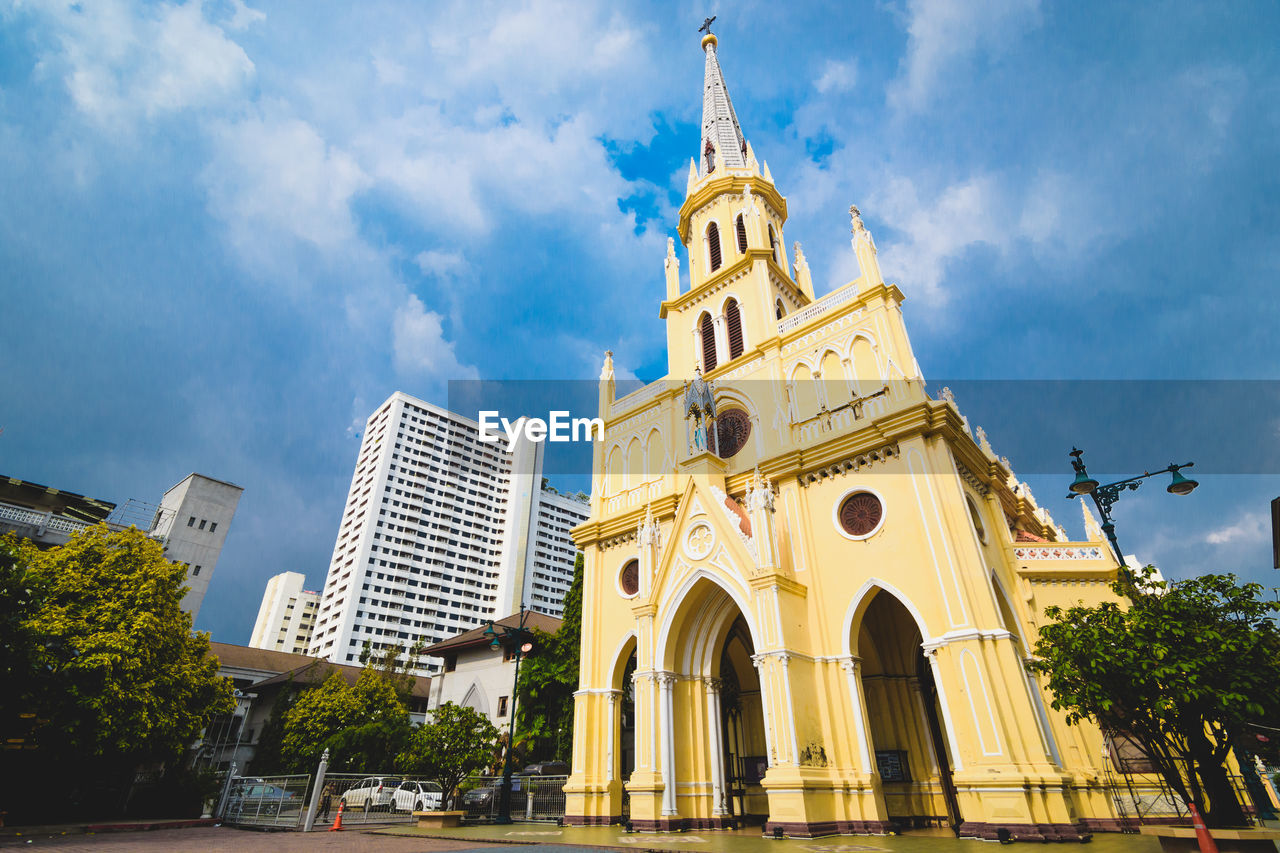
810, 588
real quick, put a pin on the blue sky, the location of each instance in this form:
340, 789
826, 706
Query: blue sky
229, 230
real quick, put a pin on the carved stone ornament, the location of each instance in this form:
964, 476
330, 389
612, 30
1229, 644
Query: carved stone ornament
699, 541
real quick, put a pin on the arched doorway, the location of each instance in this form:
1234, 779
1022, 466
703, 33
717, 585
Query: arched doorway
711, 721
746, 755
904, 719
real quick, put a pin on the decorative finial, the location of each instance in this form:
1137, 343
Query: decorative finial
856, 216
706, 25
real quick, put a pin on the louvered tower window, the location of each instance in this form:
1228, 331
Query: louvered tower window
733, 319
713, 246
773, 244
708, 343
742, 235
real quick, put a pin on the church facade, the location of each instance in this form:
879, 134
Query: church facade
810, 587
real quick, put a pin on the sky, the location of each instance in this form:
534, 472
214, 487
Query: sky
229, 230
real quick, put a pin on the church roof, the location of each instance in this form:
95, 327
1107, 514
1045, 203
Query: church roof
719, 121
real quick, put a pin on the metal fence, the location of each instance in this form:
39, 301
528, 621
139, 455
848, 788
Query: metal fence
365, 798
267, 800
533, 798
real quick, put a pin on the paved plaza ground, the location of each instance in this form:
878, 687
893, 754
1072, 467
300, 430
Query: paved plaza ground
507, 839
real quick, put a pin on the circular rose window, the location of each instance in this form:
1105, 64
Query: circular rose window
732, 428
629, 579
860, 514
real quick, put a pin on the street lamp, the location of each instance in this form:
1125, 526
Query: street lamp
517, 639
1104, 497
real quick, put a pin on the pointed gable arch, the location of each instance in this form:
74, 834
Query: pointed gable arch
475, 699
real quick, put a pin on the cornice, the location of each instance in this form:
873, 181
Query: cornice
729, 184
726, 276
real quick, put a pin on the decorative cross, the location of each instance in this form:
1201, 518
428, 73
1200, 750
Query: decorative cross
706, 25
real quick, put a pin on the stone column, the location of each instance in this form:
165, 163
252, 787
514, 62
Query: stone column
852, 669
716, 745
666, 713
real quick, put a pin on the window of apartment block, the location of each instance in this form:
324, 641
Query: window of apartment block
213, 526
203, 522
191, 521
502, 706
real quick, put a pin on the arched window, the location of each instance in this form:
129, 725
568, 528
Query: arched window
779, 310
708, 332
742, 235
713, 246
773, 244
733, 320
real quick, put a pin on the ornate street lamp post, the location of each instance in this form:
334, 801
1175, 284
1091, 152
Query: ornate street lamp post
1105, 497
516, 639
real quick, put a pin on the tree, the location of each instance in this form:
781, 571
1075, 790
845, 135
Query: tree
105, 657
363, 726
454, 742
1182, 668
548, 679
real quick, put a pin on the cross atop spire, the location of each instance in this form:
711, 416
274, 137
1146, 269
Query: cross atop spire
722, 138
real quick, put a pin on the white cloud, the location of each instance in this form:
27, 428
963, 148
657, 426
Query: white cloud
942, 35
1250, 529
440, 264
274, 178
419, 346
938, 230
120, 64
836, 77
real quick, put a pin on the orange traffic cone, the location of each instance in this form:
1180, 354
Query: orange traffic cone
1205, 840
337, 821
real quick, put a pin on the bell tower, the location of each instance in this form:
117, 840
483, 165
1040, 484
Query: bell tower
731, 225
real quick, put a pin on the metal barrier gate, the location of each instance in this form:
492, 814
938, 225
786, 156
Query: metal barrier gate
533, 798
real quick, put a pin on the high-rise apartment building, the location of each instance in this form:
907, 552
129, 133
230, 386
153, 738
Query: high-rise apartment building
441, 532
287, 615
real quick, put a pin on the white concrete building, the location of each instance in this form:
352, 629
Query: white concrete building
474, 674
287, 615
192, 521
441, 532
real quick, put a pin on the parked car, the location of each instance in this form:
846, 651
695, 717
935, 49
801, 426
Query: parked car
546, 768
417, 796
372, 792
479, 801
255, 798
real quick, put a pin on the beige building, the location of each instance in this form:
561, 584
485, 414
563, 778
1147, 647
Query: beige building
810, 584
286, 616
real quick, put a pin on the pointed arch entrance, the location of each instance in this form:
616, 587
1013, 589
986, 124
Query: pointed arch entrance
711, 724
905, 719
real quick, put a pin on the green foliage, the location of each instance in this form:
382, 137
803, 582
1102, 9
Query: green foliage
1183, 669
363, 726
455, 741
548, 679
106, 653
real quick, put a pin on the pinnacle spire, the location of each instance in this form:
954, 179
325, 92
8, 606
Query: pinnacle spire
722, 140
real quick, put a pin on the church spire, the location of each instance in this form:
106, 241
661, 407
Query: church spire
722, 142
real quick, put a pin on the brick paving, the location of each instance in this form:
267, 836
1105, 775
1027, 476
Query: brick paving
223, 839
